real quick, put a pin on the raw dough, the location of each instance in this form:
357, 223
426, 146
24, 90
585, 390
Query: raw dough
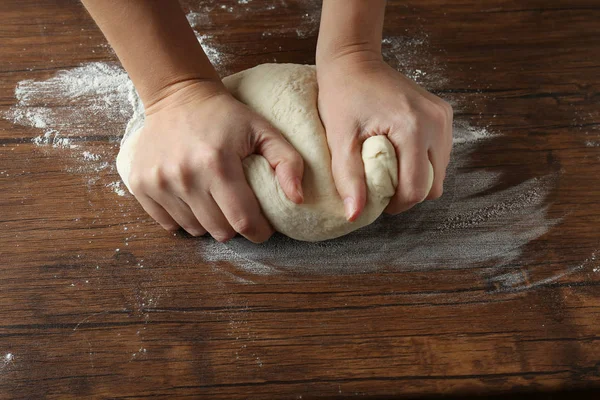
286, 95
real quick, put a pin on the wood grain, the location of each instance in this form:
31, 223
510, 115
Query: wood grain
80, 318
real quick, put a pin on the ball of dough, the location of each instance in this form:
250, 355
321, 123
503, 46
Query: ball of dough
286, 95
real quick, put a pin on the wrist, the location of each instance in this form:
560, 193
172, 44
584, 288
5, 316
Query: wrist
347, 58
172, 73
182, 92
350, 30
341, 69
155, 44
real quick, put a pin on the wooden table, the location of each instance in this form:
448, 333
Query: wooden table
97, 301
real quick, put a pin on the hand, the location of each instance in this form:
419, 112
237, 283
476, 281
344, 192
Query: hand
361, 96
187, 169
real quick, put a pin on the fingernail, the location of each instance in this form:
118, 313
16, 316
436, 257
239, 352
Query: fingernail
349, 208
298, 187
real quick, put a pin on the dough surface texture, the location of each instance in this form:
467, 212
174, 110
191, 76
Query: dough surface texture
286, 95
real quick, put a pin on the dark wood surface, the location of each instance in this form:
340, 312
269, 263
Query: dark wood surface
80, 319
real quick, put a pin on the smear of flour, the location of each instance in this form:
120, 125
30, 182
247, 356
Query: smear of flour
409, 55
475, 222
53, 138
478, 220
214, 55
81, 93
117, 187
272, 10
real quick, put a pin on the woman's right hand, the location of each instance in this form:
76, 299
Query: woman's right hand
187, 170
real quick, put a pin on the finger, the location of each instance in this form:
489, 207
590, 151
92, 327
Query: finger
284, 159
439, 154
210, 215
158, 213
449, 132
349, 173
439, 163
414, 181
180, 212
240, 206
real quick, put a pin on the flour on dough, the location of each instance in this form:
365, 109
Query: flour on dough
286, 95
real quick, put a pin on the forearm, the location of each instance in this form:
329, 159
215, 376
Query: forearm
350, 27
155, 44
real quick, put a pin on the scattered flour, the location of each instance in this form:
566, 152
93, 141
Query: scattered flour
477, 221
67, 104
215, 56
118, 189
6, 360
410, 56
464, 133
90, 156
53, 138
85, 91
201, 19
474, 223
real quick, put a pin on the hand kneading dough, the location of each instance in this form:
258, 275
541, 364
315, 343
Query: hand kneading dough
286, 95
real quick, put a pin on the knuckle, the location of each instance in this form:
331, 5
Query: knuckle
415, 195
157, 178
172, 171
181, 174
136, 183
263, 131
411, 122
296, 159
440, 115
213, 160
244, 226
436, 111
448, 109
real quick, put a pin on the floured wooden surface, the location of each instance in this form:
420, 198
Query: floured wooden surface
447, 230
494, 285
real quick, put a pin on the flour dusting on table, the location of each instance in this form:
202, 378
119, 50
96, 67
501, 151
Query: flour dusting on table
476, 221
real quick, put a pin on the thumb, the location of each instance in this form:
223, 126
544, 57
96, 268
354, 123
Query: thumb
284, 159
349, 175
